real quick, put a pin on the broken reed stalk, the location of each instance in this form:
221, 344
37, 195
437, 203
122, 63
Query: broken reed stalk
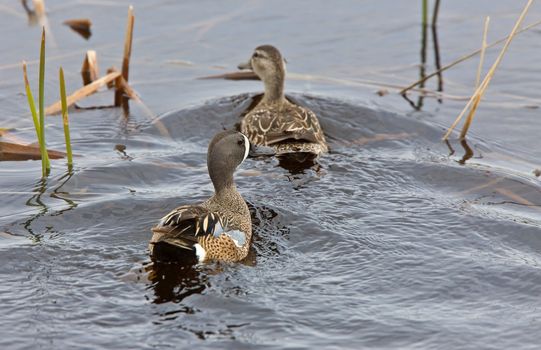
83, 92
126, 89
127, 55
33, 111
19, 152
65, 120
45, 165
484, 85
464, 58
81, 26
89, 70
469, 119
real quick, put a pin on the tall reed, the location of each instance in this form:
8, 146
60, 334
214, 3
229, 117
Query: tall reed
45, 165
65, 120
39, 122
33, 111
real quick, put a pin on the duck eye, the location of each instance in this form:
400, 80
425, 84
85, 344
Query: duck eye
240, 142
255, 55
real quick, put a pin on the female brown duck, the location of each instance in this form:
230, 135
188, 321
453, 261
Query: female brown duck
276, 122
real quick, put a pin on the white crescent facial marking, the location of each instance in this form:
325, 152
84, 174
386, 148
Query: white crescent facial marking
246, 147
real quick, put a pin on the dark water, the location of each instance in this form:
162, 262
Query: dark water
395, 240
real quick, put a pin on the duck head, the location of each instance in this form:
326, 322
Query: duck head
268, 64
226, 151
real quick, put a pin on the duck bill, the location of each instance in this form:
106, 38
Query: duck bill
246, 65
259, 151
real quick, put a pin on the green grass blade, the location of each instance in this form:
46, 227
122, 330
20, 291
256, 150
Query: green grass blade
45, 165
31, 103
65, 117
425, 12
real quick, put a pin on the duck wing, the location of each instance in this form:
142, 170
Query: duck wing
295, 123
273, 125
183, 226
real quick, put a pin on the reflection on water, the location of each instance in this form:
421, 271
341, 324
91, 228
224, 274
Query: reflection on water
468, 152
424, 47
37, 202
172, 282
63, 195
436, 45
297, 163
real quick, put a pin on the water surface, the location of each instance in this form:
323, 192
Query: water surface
394, 240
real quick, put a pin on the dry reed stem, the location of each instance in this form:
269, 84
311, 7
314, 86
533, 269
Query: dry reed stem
90, 70
127, 54
82, 92
483, 49
484, 85
83, 23
465, 57
469, 118
126, 89
16, 152
111, 84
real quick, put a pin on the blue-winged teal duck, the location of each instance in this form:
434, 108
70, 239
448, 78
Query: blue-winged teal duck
276, 122
219, 229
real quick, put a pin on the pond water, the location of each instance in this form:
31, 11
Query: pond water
393, 240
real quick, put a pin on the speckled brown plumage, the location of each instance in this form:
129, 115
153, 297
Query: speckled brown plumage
275, 121
284, 126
